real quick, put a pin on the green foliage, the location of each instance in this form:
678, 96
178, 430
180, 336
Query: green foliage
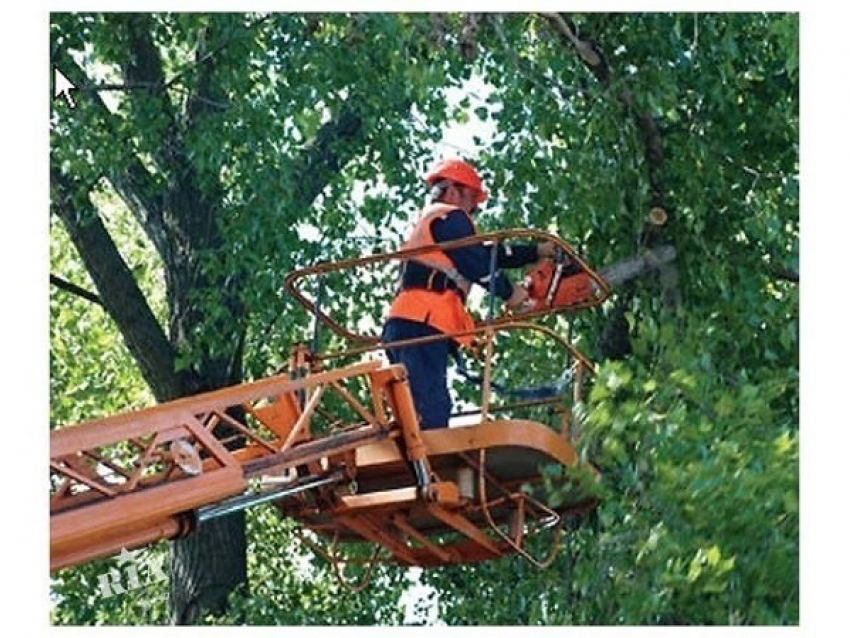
705, 468
290, 585
695, 435
104, 592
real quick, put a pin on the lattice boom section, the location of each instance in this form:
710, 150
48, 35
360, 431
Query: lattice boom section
183, 439
134, 464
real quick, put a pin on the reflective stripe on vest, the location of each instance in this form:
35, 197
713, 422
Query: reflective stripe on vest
443, 310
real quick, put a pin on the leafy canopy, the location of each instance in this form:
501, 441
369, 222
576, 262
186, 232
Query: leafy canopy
695, 432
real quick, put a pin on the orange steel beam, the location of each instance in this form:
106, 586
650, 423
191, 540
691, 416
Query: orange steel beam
315, 450
367, 416
401, 402
514, 324
102, 528
303, 420
497, 433
464, 526
370, 530
444, 492
446, 555
149, 468
130, 538
164, 423
78, 476
224, 416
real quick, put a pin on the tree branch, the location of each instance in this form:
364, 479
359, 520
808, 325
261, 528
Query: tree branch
132, 181
653, 150
785, 274
74, 289
623, 271
594, 59
191, 204
333, 147
189, 211
336, 144
615, 339
118, 290
198, 106
587, 50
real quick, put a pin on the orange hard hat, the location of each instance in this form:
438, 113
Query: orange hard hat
456, 170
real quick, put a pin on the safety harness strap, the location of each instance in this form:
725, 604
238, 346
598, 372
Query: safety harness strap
417, 275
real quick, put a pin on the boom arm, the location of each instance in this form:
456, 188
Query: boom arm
132, 479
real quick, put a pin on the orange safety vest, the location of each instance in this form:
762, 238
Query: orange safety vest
443, 310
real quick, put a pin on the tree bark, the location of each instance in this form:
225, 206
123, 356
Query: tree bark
615, 340
117, 290
197, 587
138, 188
178, 207
619, 273
209, 564
616, 337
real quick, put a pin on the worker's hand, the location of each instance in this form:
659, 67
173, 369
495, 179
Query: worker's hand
547, 250
518, 298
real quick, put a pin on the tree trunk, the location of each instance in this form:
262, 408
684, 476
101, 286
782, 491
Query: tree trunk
206, 567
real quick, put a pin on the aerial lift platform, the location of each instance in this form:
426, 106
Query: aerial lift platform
338, 448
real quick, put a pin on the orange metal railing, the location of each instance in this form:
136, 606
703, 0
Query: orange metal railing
296, 280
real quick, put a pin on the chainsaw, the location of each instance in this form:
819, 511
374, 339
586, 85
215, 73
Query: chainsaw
557, 283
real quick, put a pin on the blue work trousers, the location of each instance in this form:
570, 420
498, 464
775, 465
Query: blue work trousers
426, 369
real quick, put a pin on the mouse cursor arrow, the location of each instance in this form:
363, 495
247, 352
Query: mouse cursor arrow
62, 87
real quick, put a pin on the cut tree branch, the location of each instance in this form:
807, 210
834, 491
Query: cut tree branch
653, 149
615, 339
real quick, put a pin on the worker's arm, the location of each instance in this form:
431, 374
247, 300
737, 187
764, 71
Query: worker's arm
516, 255
473, 262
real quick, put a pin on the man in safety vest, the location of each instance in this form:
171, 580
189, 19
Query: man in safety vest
434, 285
